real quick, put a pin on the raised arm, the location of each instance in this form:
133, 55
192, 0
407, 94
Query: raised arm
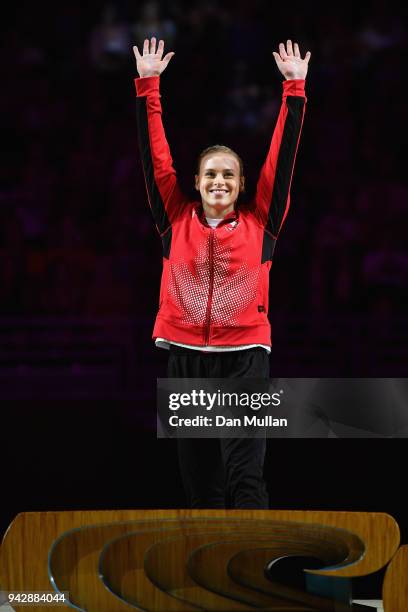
164, 194
273, 189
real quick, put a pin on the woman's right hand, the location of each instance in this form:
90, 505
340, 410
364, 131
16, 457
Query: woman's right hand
151, 62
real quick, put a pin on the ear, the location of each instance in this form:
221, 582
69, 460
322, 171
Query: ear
197, 182
242, 183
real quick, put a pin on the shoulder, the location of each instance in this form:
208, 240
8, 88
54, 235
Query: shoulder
186, 212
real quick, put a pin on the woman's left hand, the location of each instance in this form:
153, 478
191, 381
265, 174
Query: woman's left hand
289, 61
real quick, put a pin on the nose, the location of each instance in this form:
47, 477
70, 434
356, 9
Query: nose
219, 180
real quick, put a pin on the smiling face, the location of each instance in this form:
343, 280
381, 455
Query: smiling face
219, 183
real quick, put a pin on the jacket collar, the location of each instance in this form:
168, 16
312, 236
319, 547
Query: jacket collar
232, 216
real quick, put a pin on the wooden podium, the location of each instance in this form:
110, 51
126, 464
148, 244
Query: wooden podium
187, 560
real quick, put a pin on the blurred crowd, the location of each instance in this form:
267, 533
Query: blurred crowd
76, 235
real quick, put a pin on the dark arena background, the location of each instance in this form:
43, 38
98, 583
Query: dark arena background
80, 259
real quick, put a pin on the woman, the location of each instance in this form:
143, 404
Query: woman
216, 262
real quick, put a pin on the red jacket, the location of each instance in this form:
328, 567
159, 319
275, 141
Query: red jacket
215, 282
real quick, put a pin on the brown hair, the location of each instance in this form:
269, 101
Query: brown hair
219, 149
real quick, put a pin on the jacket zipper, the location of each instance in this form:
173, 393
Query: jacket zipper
210, 289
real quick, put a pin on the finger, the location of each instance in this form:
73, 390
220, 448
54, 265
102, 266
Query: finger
146, 46
168, 57
296, 50
307, 57
282, 51
160, 48
153, 45
277, 57
136, 52
289, 47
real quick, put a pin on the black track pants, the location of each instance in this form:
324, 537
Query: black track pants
226, 473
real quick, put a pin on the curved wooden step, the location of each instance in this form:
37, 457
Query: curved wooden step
80, 544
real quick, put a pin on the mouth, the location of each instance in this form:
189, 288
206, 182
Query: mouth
218, 191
